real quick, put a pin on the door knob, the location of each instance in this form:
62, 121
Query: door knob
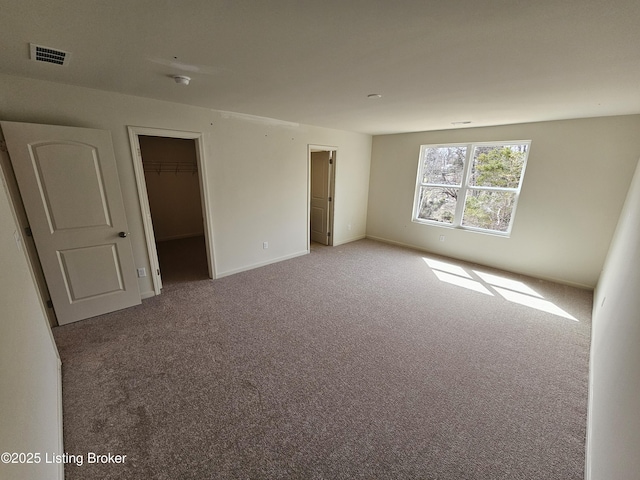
123, 234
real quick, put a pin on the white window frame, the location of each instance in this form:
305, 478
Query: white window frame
465, 187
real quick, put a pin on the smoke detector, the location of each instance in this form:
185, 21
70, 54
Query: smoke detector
48, 55
182, 79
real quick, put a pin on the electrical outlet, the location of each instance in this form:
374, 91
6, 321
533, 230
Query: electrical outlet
349, 227
442, 238
142, 272
265, 245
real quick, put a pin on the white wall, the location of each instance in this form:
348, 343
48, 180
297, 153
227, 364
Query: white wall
576, 180
257, 168
174, 199
613, 431
30, 381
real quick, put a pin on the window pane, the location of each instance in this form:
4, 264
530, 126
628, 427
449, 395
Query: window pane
488, 209
437, 204
443, 165
498, 165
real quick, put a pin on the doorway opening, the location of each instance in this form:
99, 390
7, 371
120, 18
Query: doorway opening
172, 190
322, 166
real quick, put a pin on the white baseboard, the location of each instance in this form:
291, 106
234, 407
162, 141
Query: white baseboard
261, 264
60, 421
528, 274
393, 242
588, 440
349, 240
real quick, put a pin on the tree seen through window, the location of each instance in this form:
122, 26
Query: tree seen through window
485, 177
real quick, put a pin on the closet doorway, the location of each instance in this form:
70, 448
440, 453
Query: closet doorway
169, 172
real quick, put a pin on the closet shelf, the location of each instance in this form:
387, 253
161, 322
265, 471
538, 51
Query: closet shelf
170, 167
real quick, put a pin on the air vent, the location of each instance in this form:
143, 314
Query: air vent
48, 55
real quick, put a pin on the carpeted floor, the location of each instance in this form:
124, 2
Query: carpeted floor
182, 260
357, 361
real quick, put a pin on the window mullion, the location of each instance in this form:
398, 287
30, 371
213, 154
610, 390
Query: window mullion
462, 192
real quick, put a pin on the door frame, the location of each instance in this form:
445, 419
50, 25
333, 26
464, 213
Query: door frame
332, 189
143, 198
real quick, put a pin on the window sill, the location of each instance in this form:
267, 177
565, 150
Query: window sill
493, 233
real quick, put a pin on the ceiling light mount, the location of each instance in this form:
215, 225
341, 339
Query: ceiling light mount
181, 79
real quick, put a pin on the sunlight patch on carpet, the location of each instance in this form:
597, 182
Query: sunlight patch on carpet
511, 290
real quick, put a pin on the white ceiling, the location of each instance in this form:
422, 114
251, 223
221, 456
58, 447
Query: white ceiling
314, 62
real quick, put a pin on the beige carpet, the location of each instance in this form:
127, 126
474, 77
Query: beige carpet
357, 361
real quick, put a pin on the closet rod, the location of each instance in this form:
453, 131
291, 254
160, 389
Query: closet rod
169, 167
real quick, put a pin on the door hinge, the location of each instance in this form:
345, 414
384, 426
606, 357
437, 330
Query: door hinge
28, 232
157, 271
330, 199
3, 146
328, 234
331, 161
49, 304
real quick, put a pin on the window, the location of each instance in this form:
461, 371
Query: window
470, 186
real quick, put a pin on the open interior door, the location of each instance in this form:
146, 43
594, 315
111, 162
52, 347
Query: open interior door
70, 188
320, 196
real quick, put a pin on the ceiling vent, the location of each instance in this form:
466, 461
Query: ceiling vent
48, 55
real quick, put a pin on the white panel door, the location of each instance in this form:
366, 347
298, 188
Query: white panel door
69, 185
320, 193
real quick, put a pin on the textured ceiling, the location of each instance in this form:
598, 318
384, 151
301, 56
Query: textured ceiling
489, 62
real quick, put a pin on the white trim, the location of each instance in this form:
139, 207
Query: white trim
589, 436
60, 420
143, 198
261, 264
332, 193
